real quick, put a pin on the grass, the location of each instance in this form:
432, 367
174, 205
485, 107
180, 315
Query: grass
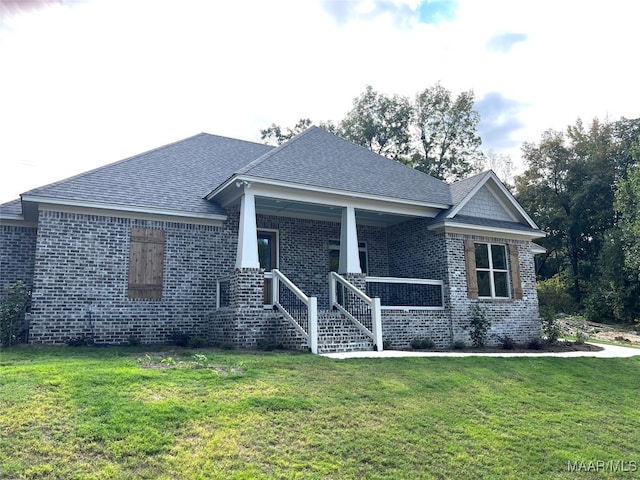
82, 413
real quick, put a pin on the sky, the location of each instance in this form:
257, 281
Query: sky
87, 82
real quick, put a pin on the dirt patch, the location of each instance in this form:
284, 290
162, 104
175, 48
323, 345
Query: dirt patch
573, 325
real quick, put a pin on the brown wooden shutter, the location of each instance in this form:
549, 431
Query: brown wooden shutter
514, 263
470, 264
146, 263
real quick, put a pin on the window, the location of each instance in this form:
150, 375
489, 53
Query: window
267, 250
268, 258
493, 270
146, 262
334, 256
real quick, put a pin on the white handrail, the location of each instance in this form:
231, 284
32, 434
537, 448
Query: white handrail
410, 281
310, 302
290, 285
374, 305
417, 281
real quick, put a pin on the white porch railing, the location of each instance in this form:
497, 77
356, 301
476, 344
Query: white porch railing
223, 292
397, 293
357, 306
295, 306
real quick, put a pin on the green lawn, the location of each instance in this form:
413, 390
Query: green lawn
103, 413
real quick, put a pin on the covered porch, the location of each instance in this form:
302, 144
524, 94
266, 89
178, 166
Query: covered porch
332, 268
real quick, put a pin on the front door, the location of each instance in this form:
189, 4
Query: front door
268, 257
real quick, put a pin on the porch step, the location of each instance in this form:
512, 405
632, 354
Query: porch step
337, 334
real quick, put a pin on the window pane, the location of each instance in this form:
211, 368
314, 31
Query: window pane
264, 251
499, 257
484, 284
500, 279
363, 261
334, 260
482, 255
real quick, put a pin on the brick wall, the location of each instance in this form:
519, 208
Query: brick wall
399, 327
519, 319
304, 251
17, 255
80, 282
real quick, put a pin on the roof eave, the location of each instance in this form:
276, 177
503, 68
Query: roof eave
161, 212
239, 178
455, 227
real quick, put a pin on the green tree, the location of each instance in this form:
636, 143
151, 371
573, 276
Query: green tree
628, 207
435, 134
379, 123
581, 186
448, 143
567, 187
273, 135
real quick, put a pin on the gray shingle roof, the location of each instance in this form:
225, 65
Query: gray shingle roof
174, 177
462, 188
14, 207
318, 158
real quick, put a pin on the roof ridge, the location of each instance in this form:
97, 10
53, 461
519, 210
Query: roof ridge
265, 156
468, 179
281, 147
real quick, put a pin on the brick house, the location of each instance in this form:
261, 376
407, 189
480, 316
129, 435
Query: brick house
316, 244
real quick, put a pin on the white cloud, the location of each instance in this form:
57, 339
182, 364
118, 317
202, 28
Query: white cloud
87, 83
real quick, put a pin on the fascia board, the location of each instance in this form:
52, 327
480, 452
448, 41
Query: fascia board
106, 209
307, 192
339, 200
537, 249
16, 221
463, 228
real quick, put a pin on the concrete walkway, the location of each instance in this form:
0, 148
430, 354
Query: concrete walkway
609, 351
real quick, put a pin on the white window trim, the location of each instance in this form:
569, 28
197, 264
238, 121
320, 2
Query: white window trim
269, 275
334, 245
492, 270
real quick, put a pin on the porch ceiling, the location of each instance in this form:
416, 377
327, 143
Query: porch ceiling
315, 211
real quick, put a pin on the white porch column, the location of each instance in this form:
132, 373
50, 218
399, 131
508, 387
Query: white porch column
247, 256
349, 253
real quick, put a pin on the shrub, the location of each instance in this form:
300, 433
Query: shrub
550, 327
268, 345
553, 293
12, 310
459, 345
419, 343
80, 341
506, 342
581, 338
535, 344
197, 342
180, 339
479, 325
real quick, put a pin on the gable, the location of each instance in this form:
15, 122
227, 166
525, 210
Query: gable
317, 158
484, 204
